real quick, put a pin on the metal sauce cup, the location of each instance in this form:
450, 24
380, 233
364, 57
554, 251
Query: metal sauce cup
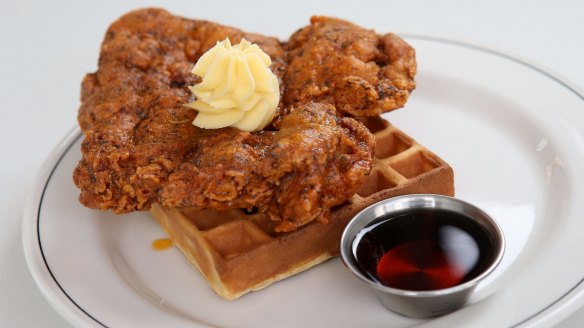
421, 303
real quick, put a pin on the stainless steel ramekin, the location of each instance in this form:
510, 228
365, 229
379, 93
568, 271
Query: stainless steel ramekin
420, 304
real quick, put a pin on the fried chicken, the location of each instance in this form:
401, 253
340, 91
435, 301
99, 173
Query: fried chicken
339, 63
140, 147
315, 161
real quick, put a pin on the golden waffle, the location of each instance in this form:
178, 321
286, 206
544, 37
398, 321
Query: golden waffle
238, 252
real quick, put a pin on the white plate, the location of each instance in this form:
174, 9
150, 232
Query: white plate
514, 134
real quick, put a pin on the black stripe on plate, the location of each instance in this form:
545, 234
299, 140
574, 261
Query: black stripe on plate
39, 233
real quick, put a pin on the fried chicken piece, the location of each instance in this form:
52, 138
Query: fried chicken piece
339, 63
136, 128
140, 146
314, 162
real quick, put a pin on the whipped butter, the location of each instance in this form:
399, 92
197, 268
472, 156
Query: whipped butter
237, 89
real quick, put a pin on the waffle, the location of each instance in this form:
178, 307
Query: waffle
237, 251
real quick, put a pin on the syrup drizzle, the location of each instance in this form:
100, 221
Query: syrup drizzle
161, 244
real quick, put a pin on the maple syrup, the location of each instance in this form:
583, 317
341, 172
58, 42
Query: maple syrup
423, 250
161, 244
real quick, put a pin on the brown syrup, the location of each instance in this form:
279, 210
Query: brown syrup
423, 250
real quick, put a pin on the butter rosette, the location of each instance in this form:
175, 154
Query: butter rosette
238, 88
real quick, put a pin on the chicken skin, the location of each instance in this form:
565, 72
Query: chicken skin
339, 63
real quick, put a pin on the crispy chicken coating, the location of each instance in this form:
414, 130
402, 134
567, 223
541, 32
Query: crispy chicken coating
339, 63
140, 147
314, 162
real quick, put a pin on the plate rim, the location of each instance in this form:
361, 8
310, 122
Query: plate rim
559, 309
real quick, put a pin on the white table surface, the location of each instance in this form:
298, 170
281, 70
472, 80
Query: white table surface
47, 47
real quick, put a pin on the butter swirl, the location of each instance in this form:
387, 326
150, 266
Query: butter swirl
238, 88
